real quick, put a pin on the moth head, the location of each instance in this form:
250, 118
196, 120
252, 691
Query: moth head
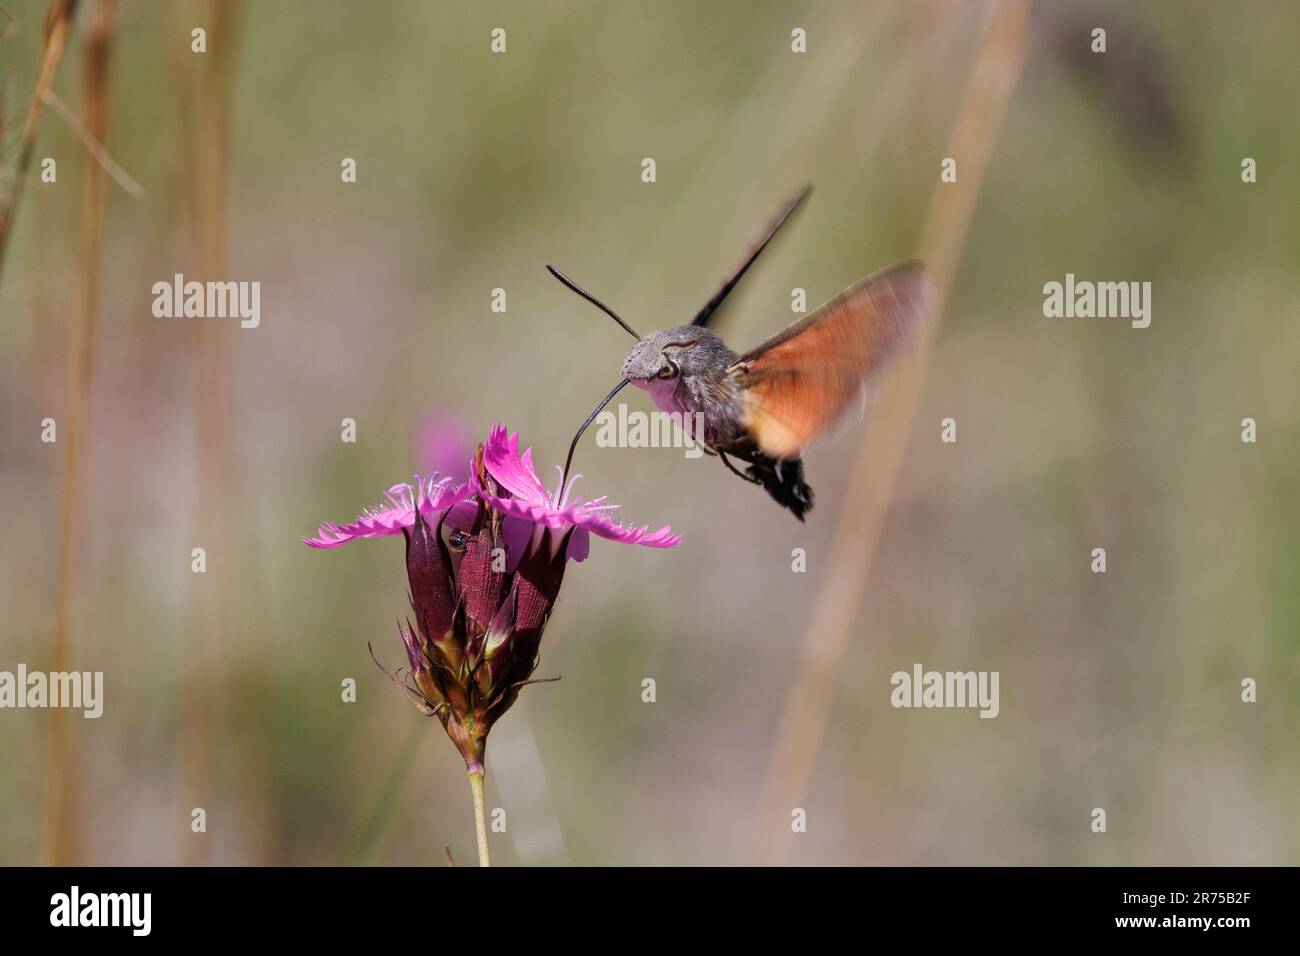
663, 356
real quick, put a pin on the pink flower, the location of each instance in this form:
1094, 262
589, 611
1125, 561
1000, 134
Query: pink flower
484, 562
530, 500
435, 495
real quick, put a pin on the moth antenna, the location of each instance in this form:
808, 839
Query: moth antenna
706, 313
574, 287
564, 476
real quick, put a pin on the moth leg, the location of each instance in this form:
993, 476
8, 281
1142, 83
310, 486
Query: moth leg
735, 471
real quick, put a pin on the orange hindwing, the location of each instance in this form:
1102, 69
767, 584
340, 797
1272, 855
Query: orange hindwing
807, 376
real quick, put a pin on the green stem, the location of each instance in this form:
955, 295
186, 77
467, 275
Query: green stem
480, 814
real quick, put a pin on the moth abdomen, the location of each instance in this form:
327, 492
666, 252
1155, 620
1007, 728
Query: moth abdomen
781, 478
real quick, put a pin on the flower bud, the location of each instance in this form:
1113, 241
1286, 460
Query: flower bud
429, 573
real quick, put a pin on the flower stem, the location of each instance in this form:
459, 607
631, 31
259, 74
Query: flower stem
480, 814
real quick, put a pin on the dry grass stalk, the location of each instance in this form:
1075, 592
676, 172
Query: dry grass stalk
209, 599
58, 25
866, 503
94, 147
61, 836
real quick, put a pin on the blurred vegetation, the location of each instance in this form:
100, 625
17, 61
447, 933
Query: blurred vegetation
1118, 690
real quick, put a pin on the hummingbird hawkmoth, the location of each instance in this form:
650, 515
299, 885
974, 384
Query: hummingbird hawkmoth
764, 406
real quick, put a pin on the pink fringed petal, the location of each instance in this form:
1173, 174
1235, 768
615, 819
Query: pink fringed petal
532, 502
434, 496
515, 473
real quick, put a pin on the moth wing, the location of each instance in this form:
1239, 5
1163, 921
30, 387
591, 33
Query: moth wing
708, 310
806, 377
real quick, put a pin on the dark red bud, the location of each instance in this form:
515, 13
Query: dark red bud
538, 579
414, 647
483, 578
428, 570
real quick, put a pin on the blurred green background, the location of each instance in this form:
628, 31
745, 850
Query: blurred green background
1119, 690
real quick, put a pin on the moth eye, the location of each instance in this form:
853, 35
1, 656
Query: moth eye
669, 369
457, 540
